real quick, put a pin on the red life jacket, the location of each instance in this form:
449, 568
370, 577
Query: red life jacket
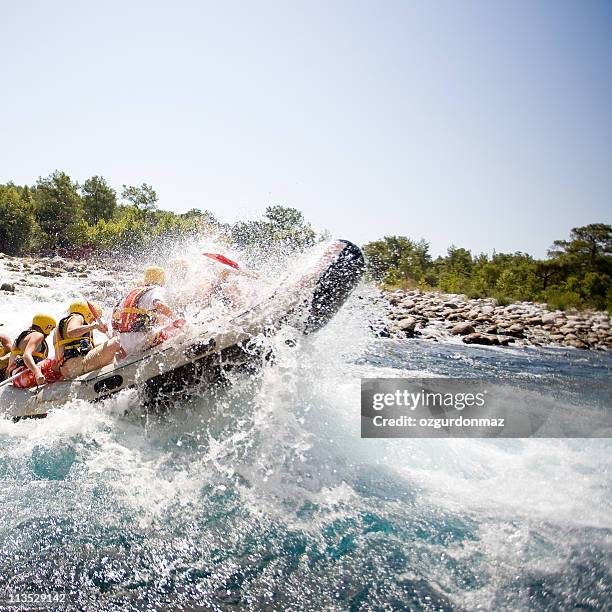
129, 317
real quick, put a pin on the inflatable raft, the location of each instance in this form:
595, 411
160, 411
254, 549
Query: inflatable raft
307, 301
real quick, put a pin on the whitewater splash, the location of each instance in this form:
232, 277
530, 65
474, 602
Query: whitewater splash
261, 494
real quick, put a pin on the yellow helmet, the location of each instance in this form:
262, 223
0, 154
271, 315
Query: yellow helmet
82, 307
154, 275
44, 322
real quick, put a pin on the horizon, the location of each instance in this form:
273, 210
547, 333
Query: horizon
393, 119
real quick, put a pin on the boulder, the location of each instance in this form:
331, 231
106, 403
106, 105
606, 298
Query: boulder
579, 344
536, 321
7, 287
515, 330
407, 325
462, 329
477, 338
380, 329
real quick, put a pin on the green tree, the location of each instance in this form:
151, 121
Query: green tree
454, 270
125, 232
584, 265
397, 259
17, 223
59, 207
287, 225
588, 245
282, 229
143, 198
99, 200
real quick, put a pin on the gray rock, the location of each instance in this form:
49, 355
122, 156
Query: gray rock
462, 329
380, 329
407, 325
7, 287
536, 321
579, 344
516, 331
477, 338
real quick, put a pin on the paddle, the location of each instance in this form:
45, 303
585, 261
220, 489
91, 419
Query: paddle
92, 309
231, 263
222, 259
11, 379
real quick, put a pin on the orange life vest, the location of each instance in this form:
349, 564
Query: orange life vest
129, 317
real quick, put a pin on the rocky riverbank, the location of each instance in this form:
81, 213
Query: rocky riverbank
433, 315
98, 279
428, 315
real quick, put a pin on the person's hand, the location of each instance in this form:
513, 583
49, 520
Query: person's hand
40, 379
179, 323
103, 327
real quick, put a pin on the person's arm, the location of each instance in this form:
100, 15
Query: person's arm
33, 342
75, 330
163, 309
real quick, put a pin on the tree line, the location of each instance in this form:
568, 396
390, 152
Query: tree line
576, 274
57, 215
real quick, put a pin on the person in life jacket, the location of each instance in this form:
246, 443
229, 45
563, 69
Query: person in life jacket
75, 349
5, 354
29, 354
224, 286
139, 317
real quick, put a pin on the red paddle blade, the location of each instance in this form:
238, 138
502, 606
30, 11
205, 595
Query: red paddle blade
93, 310
223, 259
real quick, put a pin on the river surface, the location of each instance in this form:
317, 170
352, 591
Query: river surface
262, 495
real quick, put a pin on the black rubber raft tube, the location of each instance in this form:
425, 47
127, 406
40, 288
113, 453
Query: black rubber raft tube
334, 287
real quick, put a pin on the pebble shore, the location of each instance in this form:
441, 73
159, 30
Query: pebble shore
434, 315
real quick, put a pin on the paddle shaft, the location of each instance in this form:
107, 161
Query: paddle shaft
11, 379
96, 319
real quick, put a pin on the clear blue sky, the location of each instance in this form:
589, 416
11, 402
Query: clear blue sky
483, 124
